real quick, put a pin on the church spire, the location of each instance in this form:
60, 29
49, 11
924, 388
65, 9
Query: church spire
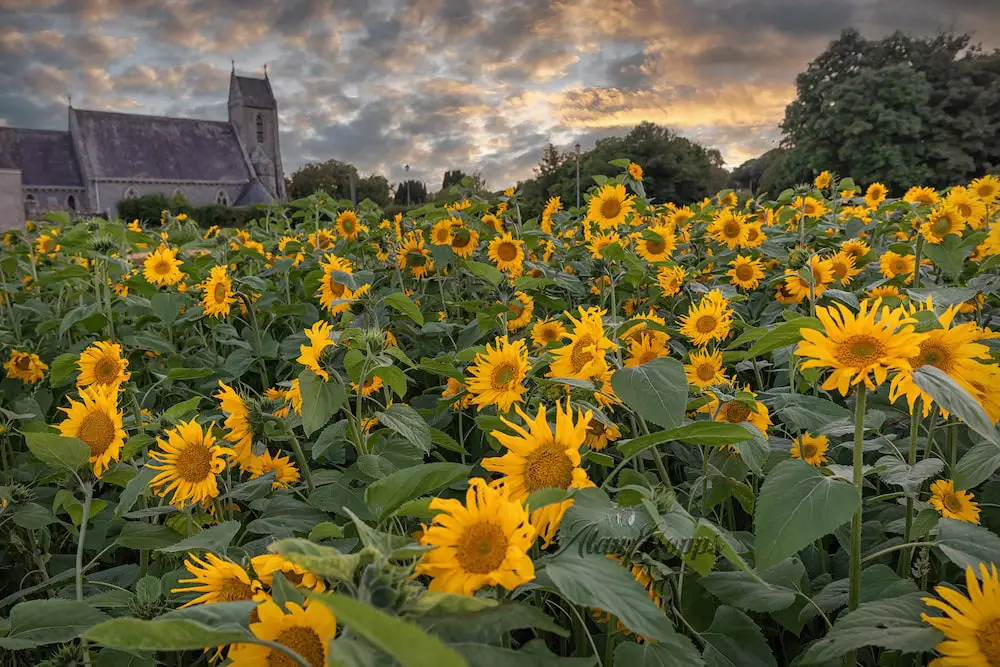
265, 70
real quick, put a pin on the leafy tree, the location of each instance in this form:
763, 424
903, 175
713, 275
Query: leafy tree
332, 177
374, 187
748, 175
452, 177
418, 193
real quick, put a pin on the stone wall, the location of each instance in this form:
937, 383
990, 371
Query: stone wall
11, 200
109, 194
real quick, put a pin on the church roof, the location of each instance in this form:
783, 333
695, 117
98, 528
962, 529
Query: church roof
119, 145
45, 158
255, 92
253, 193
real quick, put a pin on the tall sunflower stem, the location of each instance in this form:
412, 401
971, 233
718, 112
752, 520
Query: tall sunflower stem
931, 427
854, 585
917, 253
952, 445
88, 496
300, 456
904, 560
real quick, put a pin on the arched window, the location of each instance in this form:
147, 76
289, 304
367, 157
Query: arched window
260, 129
177, 193
221, 197
71, 203
132, 193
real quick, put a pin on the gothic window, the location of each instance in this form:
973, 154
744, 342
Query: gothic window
30, 204
131, 193
221, 197
260, 129
71, 203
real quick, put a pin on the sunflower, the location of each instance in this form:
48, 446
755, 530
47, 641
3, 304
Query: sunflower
610, 206
893, 264
972, 622
294, 396
644, 350
635, 171
857, 346
498, 374
711, 319
334, 295
967, 205
705, 369
656, 244
823, 180
306, 630
483, 543
102, 363
189, 460
538, 458
285, 472
239, 433
217, 580
800, 289
987, 187
217, 293
552, 206
413, 255
746, 272
441, 232
856, 248
464, 241
875, 195
883, 291
347, 225
310, 355
519, 310
810, 207
265, 565
493, 222
811, 449
842, 266
507, 253
953, 504
321, 239
601, 241
97, 421
583, 356
46, 245
749, 409
921, 195
728, 228
941, 222
547, 331
755, 235
641, 330
670, 280
25, 366
600, 434
162, 267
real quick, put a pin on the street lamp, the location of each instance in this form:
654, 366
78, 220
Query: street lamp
577, 147
407, 167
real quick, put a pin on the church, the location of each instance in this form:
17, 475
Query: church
106, 157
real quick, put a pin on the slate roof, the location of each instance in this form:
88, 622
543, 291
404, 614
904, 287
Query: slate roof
253, 193
119, 145
45, 157
255, 92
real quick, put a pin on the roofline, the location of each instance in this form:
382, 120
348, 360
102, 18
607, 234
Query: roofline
31, 129
7, 170
168, 181
152, 116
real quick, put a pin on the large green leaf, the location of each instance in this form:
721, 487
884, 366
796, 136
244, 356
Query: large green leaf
407, 422
657, 391
402, 303
786, 333
955, 399
533, 654
61, 368
139, 535
595, 524
58, 451
132, 490
388, 493
878, 582
977, 465
734, 640
892, 624
487, 272
319, 400
966, 544
711, 433
175, 634
678, 652
38, 622
739, 589
215, 539
798, 505
406, 642
322, 560
485, 625
911, 478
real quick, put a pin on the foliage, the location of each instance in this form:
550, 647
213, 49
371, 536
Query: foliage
410, 192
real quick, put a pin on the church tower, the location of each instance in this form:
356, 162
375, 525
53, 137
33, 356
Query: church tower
253, 111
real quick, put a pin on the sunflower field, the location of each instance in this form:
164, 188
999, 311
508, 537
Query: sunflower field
743, 432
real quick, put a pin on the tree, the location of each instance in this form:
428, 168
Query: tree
748, 175
900, 110
417, 193
452, 177
376, 188
332, 177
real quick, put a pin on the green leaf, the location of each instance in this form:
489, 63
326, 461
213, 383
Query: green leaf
798, 505
678, 652
709, 433
445, 441
163, 634
39, 622
167, 306
33, 516
407, 422
593, 580
977, 465
966, 544
393, 378
61, 368
181, 410
388, 493
892, 624
403, 640
139, 535
955, 399
911, 478
742, 591
58, 451
78, 314
402, 303
657, 391
786, 333
214, 539
320, 400
734, 640
484, 625
487, 272
132, 490
949, 255
322, 560
533, 654
189, 373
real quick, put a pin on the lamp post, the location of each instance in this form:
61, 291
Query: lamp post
577, 147
407, 167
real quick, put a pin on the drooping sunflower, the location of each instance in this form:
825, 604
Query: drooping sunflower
519, 310
347, 225
217, 293
601, 241
711, 319
441, 232
25, 366
599, 434
46, 245
335, 296
635, 171
893, 264
728, 228
644, 350
953, 504
875, 195
102, 363
967, 205
547, 331
97, 421
493, 222
539, 458
811, 449
656, 243
800, 288
941, 222
552, 206
507, 253
498, 374
306, 630
162, 267
705, 369
319, 339
414, 256
454, 387
583, 356
285, 472
642, 331
856, 248
749, 409
823, 180
883, 291
189, 462
746, 272
369, 386
987, 187
610, 205
321, 239
238, 430
670, 280
216, 580
971, 623
464, 241
482, 543
921, 195
855, 347
265, 565
843, 267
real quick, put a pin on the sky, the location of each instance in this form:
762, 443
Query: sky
479, 85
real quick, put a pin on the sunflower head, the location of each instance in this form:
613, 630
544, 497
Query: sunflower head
96, 420
25, 366
162, 267
610, 205
811, 449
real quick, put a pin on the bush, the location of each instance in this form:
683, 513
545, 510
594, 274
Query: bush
149, 208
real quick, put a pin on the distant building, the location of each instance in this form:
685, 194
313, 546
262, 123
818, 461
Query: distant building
105, 157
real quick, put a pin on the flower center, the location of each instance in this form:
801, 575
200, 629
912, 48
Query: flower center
460, 238
752, 234
735, 412
304, 641
481, 548
549, 334
941, 226
731, 229
442, 235
705, 372
548, 467
415, 258
964, 210
989, 641
336, 288
899, 266
348, 226
744, 272
839, 269
611, 208
106, 370
515, 308
97, 430
655, 247
503, 375
859, 351
706, 324
507, 251
808, 450
219, 293
953, 504
162, 267
323, 242
194, 464
580, 355
934, 354
23, 363
234, 590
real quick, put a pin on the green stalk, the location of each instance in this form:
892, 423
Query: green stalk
916, 261
88, 495
854, 592
904, 561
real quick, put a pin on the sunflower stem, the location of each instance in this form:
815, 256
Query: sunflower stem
609, 645
904, 560
300, 456
854, 592
88, 496
918, 251
930, 432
